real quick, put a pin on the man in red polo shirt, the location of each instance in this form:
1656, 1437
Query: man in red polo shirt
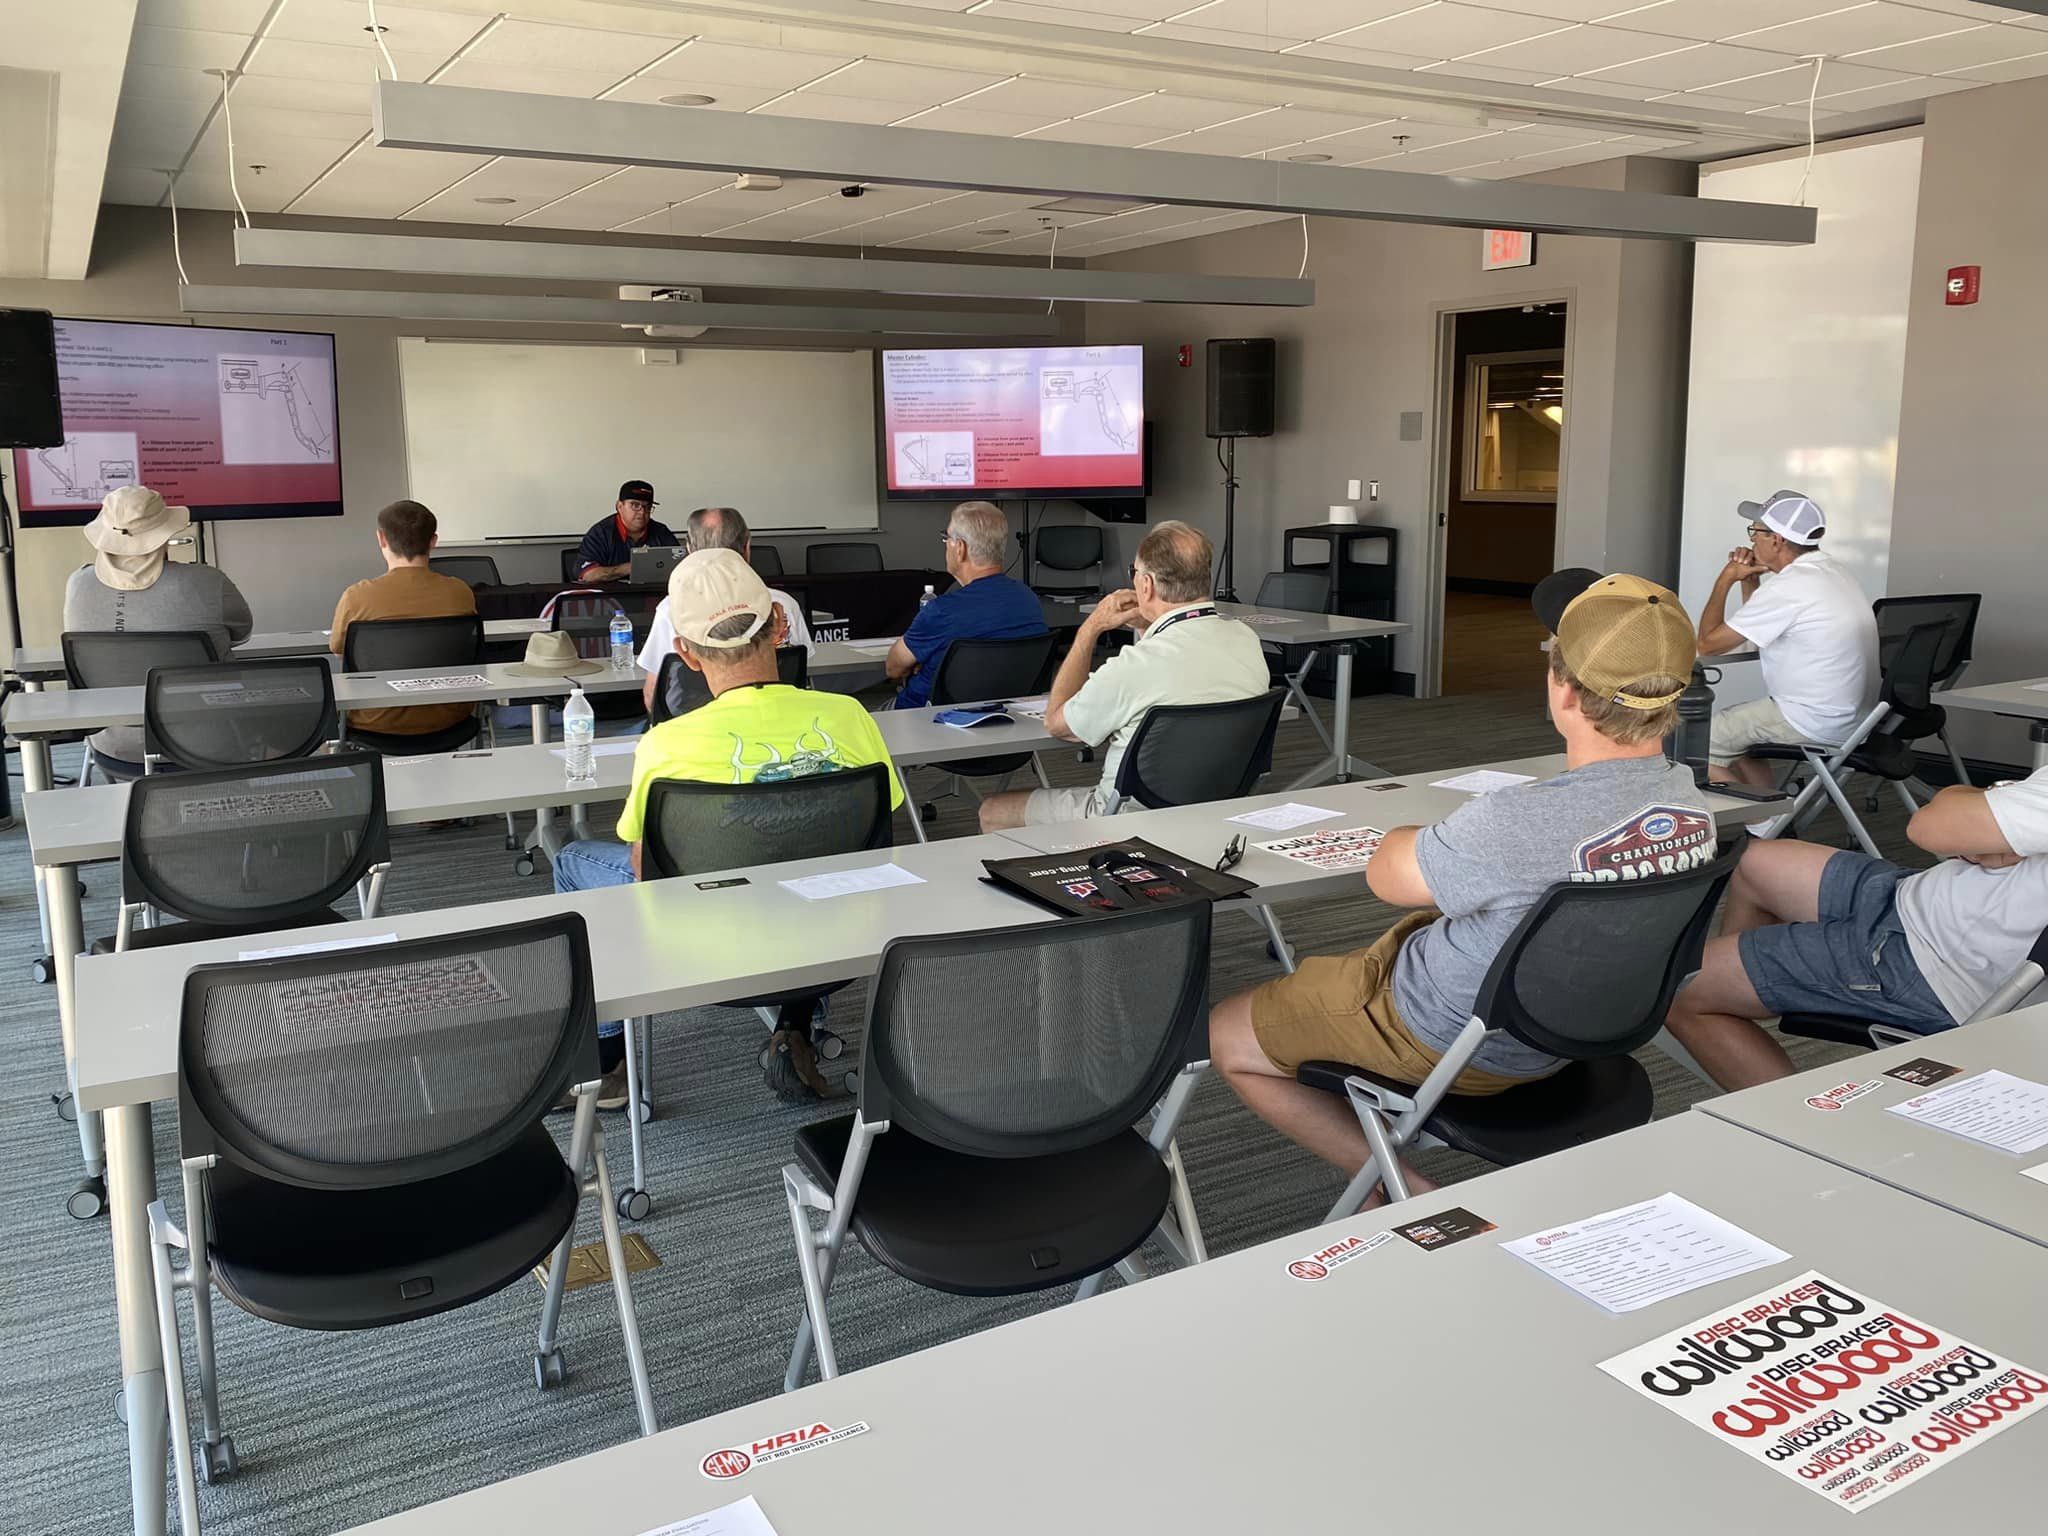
606, 553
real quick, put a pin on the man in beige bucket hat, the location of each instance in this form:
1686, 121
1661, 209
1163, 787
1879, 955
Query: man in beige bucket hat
133, 585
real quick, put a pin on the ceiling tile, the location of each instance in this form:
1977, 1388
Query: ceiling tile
1908, 88
1581, 85
1167, 110
485, 74
784, 69
1373, 58
1446, 157
838, 109
628, 195
1795, 113
289, 167
1700, 64
328, 61
1138, 11
155, 134
126, 184
153, 82
261, 123
530, 183
1445, 30
1962, 52
684, 219
551, 47
916, 85
1369, 143
1969, 10
1702, 101
186, 48
1052, 98
2038, 23
969, 118
1216, 37
2012, 69
346, 97
383, 183
343, 23
726, 97
1579, 50
242, 16
1485, 69
1094, 130
1870, 25
271, 192
1707, 20
1566, 10
1794, 84
1297, 19
1047, 15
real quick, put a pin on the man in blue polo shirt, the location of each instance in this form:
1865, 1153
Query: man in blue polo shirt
982, 604
606, 553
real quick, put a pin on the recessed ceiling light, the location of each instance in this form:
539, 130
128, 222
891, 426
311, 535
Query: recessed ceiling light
688, 99
497, 201
1309, 159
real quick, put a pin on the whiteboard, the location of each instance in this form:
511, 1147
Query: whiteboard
1799, 361
504, 439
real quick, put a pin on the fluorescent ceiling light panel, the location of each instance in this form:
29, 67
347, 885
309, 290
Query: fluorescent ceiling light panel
449, 118
533, 309
556, 261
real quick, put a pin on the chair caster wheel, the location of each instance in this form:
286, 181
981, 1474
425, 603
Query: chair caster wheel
66, 1107
42, 970
217, 1462
547, 1370
852, 1083
828, 1045
634, 1204
88, 1200
523, 865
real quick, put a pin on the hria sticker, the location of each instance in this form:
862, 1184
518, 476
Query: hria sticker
1843, 1094
1317, 1266
734, 1462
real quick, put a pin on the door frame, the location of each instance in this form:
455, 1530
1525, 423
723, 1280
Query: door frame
1429, 661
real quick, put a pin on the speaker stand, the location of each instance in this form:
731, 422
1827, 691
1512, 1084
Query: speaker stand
1226, 564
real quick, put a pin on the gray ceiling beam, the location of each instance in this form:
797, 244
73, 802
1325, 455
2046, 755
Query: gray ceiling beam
532, 309
555, 261
463, 121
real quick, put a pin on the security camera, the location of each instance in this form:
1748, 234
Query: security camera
856, 190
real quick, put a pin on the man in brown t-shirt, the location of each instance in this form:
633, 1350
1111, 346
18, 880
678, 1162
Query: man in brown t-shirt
408, 589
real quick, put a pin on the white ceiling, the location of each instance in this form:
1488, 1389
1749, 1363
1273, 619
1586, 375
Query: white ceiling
1213, 77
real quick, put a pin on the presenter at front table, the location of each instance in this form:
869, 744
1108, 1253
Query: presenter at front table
606, 553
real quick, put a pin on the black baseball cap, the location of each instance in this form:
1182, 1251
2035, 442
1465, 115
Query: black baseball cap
638, 490
1554, 593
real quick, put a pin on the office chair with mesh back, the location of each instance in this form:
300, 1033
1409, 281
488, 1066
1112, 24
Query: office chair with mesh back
587, 617
1068, 547
995, 1150
1846, 1029
766, 560
678, 689
1896, 618
572, 564
389, 645
349, 1164
123, 658
1290, 665
249, 849
1588, 975
477, 570
981, 671
842, 559
230, 713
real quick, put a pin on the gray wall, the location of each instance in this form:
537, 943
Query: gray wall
1367, 351
1967, 515
293, 570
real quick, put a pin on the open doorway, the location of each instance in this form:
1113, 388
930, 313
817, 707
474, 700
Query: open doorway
1505, 425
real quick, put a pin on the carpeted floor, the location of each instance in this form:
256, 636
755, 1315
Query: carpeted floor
336, 1429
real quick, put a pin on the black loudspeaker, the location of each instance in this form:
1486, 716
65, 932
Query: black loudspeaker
30, 413
1240, 393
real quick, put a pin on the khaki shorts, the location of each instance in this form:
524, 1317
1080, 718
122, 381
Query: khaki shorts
1341, 1008
1742, 726
1046, 807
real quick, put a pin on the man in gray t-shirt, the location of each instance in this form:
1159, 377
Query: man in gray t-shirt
1619, 811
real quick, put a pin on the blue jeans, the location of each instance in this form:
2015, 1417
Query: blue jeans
591, 866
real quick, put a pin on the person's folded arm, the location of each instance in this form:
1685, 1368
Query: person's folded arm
633, 857
1958, 823
900, 662
1395, 875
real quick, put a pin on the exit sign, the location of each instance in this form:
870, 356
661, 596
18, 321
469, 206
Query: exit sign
1507, 248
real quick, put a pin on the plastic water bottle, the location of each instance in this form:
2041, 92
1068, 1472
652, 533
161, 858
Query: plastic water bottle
929, 594
622, 642
579, 733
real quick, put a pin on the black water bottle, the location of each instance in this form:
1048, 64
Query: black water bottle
1688, 743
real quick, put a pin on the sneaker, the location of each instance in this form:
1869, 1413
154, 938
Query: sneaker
612, 1093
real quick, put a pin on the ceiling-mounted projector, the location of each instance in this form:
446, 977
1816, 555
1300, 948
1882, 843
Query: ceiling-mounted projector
665, 295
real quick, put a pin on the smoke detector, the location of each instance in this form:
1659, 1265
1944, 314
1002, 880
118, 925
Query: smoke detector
666, 294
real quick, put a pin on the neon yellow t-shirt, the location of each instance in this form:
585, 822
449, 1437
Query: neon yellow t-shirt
769, 731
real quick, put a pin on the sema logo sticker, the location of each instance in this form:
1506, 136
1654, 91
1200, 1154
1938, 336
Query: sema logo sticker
1843, 1094
1317, 1266
735, 1461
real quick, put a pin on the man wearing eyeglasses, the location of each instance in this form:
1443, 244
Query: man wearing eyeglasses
606, 553
982, 604
1813, 631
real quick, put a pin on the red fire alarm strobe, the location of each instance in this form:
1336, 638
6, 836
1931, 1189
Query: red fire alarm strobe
1187, 356
1961, 287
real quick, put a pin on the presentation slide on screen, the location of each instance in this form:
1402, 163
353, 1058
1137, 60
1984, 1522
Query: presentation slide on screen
1015, 420
229, 423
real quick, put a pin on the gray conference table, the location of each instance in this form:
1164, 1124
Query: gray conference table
2024, 698
36, 665
1453, 1390
1978, 1181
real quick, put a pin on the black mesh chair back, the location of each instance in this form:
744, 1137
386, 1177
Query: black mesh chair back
1897, 617
123, 658
692, 827
1183, 754
389, 1064
974, 671
572, 563
237, 712
255, 846
477, 570
386, 645
1299, 591
766, 560
588, 618
842, 559
1068, 547
678, 689
1019, 1042
1910, 675
1591, 969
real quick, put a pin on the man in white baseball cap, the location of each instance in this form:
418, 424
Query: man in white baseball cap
1811, 627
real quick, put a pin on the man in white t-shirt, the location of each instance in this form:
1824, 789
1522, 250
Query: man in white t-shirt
1185, 653
1812, 628
1810, 929
711, 528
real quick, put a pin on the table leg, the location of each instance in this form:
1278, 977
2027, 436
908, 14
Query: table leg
2037, 733
1340, 727
131, 1178
35, 775
67, 924
544, 817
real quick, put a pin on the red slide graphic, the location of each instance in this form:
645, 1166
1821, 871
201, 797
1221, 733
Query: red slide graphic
230, 423
1014, 421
